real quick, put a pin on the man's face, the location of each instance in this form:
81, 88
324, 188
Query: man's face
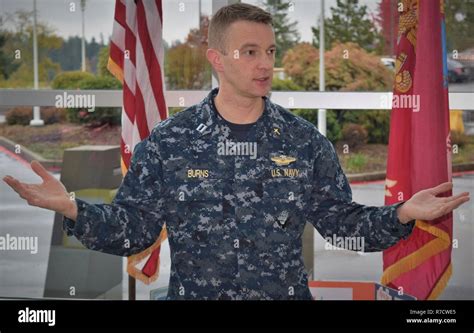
248, 63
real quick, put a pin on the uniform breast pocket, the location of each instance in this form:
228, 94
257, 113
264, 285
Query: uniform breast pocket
199, 209
283, 201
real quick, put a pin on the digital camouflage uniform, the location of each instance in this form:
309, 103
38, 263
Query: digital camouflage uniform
234, 223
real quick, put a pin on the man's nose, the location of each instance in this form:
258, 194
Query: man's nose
266, 62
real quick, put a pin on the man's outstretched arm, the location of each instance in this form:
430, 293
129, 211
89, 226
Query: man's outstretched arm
332, 211
130, 224
51, 194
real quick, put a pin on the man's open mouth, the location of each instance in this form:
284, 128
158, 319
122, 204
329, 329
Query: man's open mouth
263, 79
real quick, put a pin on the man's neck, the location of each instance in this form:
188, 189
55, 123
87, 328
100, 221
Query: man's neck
238, 109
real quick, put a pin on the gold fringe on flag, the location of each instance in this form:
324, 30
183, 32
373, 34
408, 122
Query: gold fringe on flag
115, 69
442, 283
134, 260
413, 260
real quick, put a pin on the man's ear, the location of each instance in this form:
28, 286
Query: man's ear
214, 58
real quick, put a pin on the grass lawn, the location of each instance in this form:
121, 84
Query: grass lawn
373, 157
50, 141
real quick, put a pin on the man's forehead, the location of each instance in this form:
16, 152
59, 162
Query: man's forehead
246, 32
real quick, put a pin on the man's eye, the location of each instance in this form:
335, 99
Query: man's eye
272, 51
250, 52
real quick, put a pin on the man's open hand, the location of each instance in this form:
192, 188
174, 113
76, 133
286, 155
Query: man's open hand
51, 194
425, 205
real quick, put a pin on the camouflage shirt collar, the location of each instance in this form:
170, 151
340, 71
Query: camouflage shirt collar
269, 123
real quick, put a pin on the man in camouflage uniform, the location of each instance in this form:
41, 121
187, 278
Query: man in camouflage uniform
234, 190
234, 223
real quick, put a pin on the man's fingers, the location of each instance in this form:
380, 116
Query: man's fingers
25, 191
455, 204
455, 197
15, 184
40, 170
441, 188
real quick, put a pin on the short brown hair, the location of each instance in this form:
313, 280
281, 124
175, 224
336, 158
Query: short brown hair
227, 15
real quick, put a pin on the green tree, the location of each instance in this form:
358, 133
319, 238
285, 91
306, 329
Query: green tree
69, 54
102, 63
7, 62
333, 129
19, 41
186, 65
286, 32
459, 15
349, 22
92, 53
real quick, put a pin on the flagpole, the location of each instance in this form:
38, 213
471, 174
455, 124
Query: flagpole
392, 21
83, 40
131, 288
321, 121
322, 83
36, 121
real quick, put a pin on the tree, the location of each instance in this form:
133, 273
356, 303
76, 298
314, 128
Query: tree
349, 22
19, 41
186, 65
7, 63
103, 60
286, 32
69, 54
92, 53
459, 16
348, 68
301, 65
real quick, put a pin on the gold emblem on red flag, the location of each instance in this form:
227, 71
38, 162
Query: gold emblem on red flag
388, 184
403, 80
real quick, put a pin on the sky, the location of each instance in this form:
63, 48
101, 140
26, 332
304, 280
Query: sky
64, 16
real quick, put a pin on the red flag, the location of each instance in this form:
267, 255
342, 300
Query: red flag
136, 59
419, 155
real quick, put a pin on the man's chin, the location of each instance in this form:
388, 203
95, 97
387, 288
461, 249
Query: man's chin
260, 92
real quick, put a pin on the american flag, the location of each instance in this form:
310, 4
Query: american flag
136, 59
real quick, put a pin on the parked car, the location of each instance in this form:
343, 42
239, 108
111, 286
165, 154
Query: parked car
457, 72
388, 62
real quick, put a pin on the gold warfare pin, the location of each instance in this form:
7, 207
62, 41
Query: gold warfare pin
283, 160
